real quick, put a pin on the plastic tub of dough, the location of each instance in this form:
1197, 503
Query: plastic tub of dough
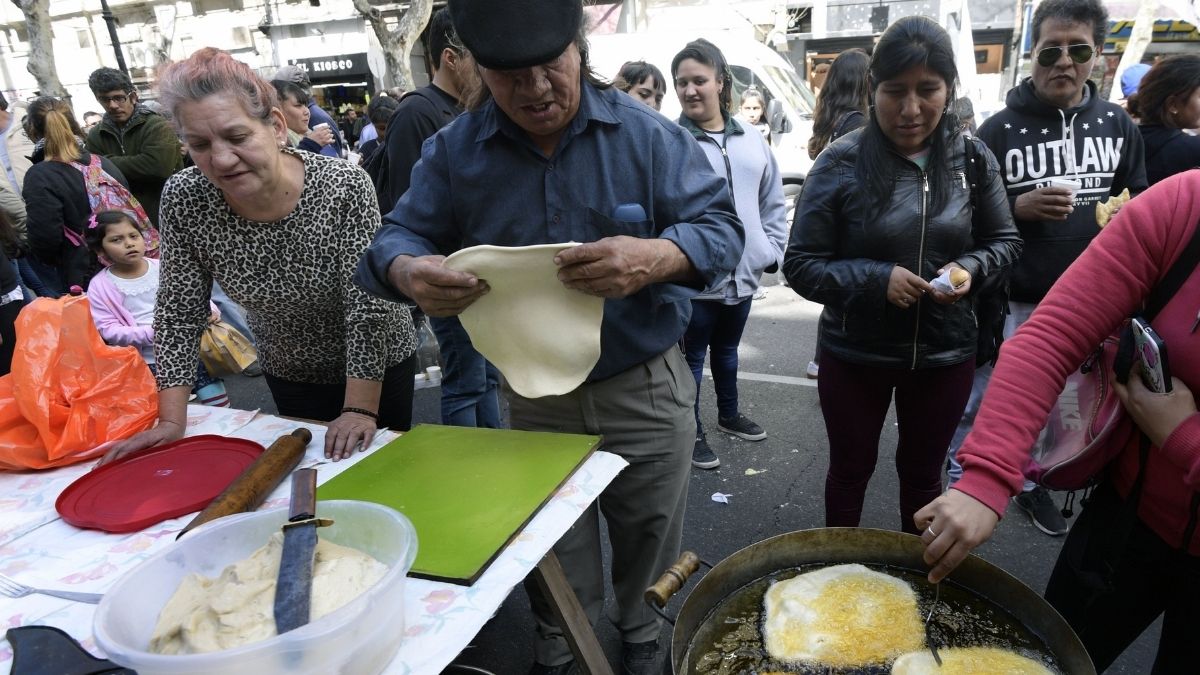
361, 637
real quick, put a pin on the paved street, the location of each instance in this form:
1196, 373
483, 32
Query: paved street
785, 495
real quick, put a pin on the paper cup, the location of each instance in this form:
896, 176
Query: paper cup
1072, 184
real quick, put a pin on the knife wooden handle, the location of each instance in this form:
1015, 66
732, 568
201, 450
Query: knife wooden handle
248, 491
304, 495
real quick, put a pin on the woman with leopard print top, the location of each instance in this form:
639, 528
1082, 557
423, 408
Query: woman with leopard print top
282, 232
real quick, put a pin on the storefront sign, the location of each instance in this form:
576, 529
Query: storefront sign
333, 66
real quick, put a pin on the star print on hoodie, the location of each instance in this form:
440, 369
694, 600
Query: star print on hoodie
1094, 142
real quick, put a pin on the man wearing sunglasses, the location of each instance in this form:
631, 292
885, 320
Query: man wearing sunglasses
140, 142
1063, 149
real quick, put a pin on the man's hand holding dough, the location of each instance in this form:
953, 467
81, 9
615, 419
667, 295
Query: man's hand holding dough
617, 267
437, 290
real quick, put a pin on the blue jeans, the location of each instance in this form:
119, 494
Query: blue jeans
43, 280
1018, 313
716, 330
470, 385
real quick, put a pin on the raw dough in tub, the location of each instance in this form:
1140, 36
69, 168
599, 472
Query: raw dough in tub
238, 607
543, 336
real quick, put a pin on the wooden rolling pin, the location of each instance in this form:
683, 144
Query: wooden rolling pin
252, 486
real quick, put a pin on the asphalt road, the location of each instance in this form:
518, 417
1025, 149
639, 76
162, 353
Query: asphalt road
783, 493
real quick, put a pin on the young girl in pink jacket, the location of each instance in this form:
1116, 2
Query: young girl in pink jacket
123, 296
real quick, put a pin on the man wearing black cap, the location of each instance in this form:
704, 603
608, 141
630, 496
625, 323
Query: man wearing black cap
551, 154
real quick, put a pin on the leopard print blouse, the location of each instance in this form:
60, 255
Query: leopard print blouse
293, 276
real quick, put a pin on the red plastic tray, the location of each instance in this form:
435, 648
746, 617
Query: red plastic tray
171, 481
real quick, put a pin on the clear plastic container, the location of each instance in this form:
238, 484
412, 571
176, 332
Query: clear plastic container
360, 638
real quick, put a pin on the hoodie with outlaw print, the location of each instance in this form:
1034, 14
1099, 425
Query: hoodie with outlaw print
1094, 142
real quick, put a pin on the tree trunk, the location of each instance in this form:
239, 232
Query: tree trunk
1139, 39
397, 44
41, 47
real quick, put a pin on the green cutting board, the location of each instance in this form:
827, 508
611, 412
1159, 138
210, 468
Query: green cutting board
467, 491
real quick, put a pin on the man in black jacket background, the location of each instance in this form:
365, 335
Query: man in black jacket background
470, 385
1062, 149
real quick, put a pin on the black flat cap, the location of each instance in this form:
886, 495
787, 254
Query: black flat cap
508, 34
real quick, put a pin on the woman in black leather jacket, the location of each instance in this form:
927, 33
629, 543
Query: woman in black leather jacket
886, 210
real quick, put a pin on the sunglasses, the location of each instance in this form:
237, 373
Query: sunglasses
1049, 56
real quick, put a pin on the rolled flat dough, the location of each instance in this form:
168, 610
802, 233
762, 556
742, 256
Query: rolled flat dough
543, 336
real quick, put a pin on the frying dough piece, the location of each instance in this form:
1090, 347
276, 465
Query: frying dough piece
842, 616
543, 336
969, 661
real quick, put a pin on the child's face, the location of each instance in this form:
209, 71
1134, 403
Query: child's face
123, 244
752, 110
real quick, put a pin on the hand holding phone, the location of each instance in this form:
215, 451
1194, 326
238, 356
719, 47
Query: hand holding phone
1152, 355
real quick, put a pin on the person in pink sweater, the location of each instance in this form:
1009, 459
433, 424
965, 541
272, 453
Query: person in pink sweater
123, 296
1117, 571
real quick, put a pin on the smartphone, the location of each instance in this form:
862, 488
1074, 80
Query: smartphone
1152, 354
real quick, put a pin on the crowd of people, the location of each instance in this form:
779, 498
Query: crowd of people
233, 199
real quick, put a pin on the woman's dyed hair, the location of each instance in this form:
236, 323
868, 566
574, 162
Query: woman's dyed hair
846, 89
212, 72
910, 42
95, 234
52, 119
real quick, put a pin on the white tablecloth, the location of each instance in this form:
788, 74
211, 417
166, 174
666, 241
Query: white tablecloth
39, 549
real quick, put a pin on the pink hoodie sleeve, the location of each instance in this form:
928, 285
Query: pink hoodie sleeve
112, 321
1104, 286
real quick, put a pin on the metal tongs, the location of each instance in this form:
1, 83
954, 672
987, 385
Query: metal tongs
937, 597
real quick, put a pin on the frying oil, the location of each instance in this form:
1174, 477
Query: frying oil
729, 641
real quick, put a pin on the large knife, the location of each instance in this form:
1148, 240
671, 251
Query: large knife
293, 588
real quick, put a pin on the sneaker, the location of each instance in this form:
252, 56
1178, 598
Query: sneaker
1040, 507
811, 371
567, 668
703, 456
742, 427
639, 658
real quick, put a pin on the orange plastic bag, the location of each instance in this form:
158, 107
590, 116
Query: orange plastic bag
69, 394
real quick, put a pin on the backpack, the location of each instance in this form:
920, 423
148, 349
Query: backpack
106, 193
991, 300
377, 166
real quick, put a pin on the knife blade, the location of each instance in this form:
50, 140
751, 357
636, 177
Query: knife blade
293, 586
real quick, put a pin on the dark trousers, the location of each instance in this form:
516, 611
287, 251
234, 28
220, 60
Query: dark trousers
470, 385
8, 334
324, 402
855, 400
716, 329
1148, 578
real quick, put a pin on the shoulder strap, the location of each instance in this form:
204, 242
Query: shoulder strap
974, 170
1181, 269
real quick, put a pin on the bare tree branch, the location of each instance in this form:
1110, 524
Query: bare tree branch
40, 63
397, 44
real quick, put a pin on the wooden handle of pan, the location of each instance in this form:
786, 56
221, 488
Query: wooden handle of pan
673, 579
248, 491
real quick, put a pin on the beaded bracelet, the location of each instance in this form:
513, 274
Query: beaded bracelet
362, 411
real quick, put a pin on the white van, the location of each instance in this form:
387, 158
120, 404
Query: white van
790, 102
